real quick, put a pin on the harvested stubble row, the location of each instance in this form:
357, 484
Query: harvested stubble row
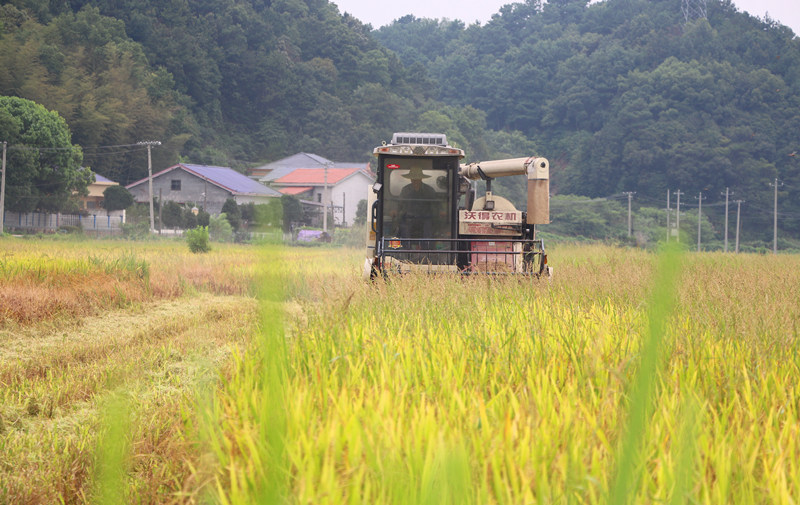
82, 321
54, 381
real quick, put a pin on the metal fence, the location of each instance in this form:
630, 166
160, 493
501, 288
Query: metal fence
98, 222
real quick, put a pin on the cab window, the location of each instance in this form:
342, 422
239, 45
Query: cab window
417, 198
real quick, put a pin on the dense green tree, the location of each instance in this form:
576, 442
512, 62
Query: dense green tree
172, 214
361, 212
188, 219
247, 213
203, 218
269, 216
43, 166
220, 229
292, 211
225, 83
231, 210
117, 198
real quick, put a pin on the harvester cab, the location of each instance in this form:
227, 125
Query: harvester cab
424, 215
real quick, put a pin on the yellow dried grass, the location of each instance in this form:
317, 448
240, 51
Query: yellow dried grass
42, 280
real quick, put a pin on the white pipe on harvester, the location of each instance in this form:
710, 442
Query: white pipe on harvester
496, 168
538, 172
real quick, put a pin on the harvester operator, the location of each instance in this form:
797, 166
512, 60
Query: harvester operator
418, 205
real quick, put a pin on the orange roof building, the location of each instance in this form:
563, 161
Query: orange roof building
277, 169
346, 186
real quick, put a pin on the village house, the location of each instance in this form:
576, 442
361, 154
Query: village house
94, 199
302, 175
276, 169
207, 187
346, 187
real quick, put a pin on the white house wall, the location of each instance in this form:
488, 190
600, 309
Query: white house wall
348, 192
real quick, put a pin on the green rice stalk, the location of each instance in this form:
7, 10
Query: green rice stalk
642, 397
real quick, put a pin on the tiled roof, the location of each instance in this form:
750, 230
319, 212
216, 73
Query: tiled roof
224, 177
101, 179
231, 179
316, 176
295, 190
98, 187
298, 160
280, 168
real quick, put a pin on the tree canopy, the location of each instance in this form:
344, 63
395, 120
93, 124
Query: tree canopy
117, 198
43, 167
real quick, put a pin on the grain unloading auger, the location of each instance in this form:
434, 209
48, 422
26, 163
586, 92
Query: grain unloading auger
424, 215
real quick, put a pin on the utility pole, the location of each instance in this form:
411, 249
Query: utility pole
699, 217
727, 194
667, 215
3, 190
775, 219
678, 214
630, 196
738, 215
150, 144
325, 202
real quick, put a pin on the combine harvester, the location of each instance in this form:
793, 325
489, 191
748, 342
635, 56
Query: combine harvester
424, 217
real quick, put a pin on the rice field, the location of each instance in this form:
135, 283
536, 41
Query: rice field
275, 375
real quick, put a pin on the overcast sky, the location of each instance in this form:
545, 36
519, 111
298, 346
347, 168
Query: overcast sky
382, 12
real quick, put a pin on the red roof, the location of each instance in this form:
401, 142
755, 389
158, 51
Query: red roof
295, 190
316, 176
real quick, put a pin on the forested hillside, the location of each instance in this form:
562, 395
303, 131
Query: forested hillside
229, 82
621, 95
624, 95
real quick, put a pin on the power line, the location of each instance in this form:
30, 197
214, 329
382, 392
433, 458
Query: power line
112, 153
768, 212
23, 147
643, 202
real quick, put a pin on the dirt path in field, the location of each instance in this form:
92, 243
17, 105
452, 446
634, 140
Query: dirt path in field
53, 377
